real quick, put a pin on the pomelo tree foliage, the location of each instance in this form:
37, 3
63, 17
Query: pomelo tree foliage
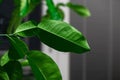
52, 31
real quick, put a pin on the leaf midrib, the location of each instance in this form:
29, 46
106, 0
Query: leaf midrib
38, 68
25, 30
61, 37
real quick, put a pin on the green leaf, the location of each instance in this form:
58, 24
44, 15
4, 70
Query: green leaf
52, 10
58, 35
62, 36
80, 9
48, 15
26, 29
27, 6
24, 7
18, 48
4, 59
3, 74
14, 70
44, 68
61, 13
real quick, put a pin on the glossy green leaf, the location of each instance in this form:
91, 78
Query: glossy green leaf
24, 7
3, 75
18, 48
27, 6
58, 35
80, 9
4, 59
26, 29
44, 68
62, 36
14, 70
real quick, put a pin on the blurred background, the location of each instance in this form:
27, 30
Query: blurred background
102, 30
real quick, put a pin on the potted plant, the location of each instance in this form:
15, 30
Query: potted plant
52, 31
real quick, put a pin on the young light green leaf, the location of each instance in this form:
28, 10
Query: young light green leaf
3, 75
62, 36
14, 70
26, 29
18, 48
44, 68
80, 9
4, 59
24, 7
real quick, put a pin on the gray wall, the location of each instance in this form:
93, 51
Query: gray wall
102, 30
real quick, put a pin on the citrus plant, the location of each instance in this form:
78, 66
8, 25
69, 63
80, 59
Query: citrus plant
52, 31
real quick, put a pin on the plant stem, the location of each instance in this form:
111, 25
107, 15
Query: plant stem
3, 35
24, 63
